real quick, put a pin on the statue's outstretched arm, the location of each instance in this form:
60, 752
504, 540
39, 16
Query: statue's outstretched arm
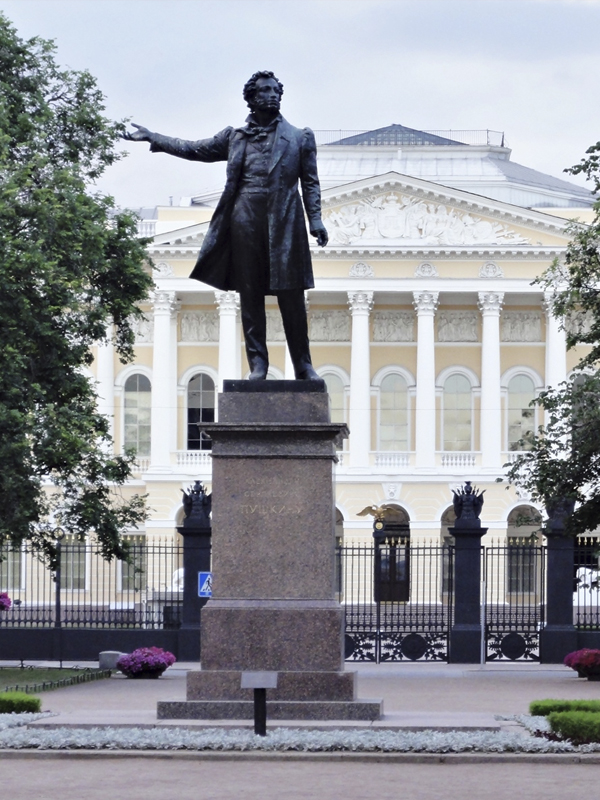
141, 134
213, 149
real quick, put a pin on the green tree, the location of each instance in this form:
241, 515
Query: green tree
69, 266
564, 460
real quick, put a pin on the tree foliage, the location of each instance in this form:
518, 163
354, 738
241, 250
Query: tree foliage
564, 461
70, 264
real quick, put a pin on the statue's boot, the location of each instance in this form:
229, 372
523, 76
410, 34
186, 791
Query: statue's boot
258, 370
254, 325
295, 325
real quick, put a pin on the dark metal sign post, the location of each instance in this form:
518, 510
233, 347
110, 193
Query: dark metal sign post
260, 682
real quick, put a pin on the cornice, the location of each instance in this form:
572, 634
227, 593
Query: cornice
528, 252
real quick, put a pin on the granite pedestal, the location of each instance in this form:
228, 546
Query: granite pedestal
273, 533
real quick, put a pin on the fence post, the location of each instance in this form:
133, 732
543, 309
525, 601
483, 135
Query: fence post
57, 636
196, 532
466, 630
559, 636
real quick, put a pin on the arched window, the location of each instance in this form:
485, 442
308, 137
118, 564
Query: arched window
524, 558
392, 557
138, 401
457, 413
339, 555
335, 390
201, 408
393, 413
448, 521
520, 415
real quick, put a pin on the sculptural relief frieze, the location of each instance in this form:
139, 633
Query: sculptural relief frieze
521, 326
579, 323
200, 326
457, 326
275, 332
143, 329
393, 326
395, 218
330, 326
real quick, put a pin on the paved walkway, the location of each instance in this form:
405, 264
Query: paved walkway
415, 696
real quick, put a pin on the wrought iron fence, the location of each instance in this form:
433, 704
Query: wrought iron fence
514, 576
87, 591
586, 583
397, 600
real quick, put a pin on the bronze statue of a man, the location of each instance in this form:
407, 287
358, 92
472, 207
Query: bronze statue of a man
256, 242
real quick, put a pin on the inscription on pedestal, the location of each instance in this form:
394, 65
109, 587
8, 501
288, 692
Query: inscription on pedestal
266, 497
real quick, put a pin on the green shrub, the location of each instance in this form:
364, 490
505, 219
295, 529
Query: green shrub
541, 708
578, 726
16, 702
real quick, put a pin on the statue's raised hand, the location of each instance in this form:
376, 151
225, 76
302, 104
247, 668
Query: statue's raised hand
140, 135
320, 234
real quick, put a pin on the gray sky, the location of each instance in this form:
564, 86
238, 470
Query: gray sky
529, 68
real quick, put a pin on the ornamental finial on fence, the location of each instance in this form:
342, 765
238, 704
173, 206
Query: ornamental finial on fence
468, 502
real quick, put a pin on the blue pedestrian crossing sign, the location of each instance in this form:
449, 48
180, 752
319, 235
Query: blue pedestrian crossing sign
205, 584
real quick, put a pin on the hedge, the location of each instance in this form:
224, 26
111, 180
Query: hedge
580, 727
16, 702
541, 708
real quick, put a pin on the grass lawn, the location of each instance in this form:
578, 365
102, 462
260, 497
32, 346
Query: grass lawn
12, 676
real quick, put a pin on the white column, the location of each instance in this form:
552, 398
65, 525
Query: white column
105, 376
229, 344
288, 374
360, 304
490, 304
173, 402
164, 387
425, 304
556, 346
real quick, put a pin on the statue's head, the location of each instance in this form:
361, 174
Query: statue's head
263, 91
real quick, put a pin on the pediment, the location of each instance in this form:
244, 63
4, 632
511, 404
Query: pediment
190, 236
396, 211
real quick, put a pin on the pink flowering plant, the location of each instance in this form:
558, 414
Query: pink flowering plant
146, 661
585, 662
5, 601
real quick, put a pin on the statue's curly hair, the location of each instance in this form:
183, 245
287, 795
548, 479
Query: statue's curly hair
250, 86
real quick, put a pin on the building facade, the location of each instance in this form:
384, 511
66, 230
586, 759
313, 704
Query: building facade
424, 323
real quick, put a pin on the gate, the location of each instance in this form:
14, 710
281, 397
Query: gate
397, 599
514, 576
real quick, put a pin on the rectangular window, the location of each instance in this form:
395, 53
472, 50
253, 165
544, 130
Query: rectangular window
447, 563
134, 574
392, 570
523, 565
10, 568
72, 564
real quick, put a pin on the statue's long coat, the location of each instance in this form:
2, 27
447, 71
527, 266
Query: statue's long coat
293, 159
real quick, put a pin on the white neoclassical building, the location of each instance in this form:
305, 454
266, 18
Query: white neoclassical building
424, 323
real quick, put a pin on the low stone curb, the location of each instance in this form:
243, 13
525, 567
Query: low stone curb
253, 755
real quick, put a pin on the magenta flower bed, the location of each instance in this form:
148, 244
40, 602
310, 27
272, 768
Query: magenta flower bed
146, 662
586, 662
5, 601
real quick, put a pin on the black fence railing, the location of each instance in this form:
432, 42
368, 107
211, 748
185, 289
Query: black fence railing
87, 591
397, 595
514, 582
397, 600
586, 583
